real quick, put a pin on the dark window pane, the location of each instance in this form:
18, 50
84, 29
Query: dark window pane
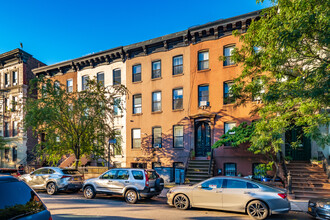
178, 136
203, 95
212, 184
230, 169
122, 175
156, 69
116, 76
228, 96
203, 60
138, 175
136, 73
227, 52
235, 184
111, 174
100, 78
177, 98
177, 65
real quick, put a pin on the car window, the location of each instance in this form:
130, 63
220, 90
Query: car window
138, 175
212, 184
152, 175
251, 186
235, 184
39, 171
111, 174
20, 200
122, 175
51, 171
71, 172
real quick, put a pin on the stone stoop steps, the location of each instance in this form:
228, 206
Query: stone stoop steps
308, 181
198, 170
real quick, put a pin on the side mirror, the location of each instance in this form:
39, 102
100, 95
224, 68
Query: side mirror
200, 186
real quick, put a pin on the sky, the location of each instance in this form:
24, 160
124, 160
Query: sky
58, 30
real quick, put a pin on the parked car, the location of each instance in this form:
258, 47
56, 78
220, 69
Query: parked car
9, 171
319, 208
20, 202
54, 179
231, 194
132, 184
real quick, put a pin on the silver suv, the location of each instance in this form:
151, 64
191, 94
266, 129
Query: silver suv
133, 184
54, 179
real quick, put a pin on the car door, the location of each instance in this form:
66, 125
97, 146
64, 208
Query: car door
105, 182
31, 178
236, 194
40, 178
208, 194
121, 180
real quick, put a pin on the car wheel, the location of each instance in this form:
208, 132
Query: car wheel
51, 188
181, 202
89, 192
131, 196
257, 210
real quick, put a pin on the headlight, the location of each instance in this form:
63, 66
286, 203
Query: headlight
320, 204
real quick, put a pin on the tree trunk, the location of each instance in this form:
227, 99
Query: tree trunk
77, 157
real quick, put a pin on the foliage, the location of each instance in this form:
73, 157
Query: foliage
285, 61
3, 142
287, 158
261, 169
78, 123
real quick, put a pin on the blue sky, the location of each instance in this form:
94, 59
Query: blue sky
54, 31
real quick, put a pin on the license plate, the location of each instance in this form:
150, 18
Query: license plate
76, 178
152, 190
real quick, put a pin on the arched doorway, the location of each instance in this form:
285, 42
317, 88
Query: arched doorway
202, 138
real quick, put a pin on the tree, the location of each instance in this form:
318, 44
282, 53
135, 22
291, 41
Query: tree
285, 62
78, 123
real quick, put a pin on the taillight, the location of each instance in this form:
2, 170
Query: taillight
65, 177
50, 218
147, 179
282, 195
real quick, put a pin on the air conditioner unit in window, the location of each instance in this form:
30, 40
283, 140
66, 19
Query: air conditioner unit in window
157, 146
204, 103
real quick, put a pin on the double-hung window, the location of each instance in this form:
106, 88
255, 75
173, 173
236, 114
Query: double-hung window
100, 78
156, 69
69, 85
136, 73
116, 106
136, 138
177, 65
15, 131
178, 136
227, 52
203, 95
15, 78
227, 94
229, 126
177, 99
137, 104
157, 137
84, 81
203, 60
116, 77
156, 101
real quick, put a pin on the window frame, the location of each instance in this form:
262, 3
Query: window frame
84, 83
174, 136
174, 101
227, 97
133, 103
153, 136
208, 95
98, 80
156, 101
115, 78
228, 61
224, 168
67, 85
199, 67
175, 66
134, 74
132, 138
15, 79
155, 72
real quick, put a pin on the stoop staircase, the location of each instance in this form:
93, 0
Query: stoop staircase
308, 181
198, 170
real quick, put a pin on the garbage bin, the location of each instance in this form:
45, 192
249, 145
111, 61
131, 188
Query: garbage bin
179, 176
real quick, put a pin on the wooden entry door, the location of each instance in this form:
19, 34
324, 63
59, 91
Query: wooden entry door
303, 151
202, 139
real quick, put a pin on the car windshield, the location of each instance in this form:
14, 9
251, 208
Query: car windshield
20, 200
71, 172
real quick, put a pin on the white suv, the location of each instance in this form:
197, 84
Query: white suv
131, 183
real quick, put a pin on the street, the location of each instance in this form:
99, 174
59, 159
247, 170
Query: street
75, 206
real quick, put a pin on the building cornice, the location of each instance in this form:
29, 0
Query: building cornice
13, 56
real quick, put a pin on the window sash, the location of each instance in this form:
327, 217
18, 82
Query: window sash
136, 73
137, 104
203, 94
177, 65
156, 69
84, 80
178, 136
136, 138
228, 96
100, 78
15, 78
203, 60
177, 98
69, 85
156, 136
156, 101
228, 54
116, 76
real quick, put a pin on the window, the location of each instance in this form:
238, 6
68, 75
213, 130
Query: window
156, 69
177, 65
7, 78
227, 53
116, 106
203, 95
44, 90
14, 103
14, 154
100, 78
138, 175
255, 171
84, 81
227, 94
228, 126
230, 169
116, 77
6, 128
117, 147
178, 136
212, 184
136, 138
203, 60
7, 153
69, 85
156, 165
251, 186
177, 99
137, 104
111, 174
15, 131
122, 175
257, 95
157, 137
57, 86
137, 73
235, 184
156, 101
15, 78
139, 165
6, 104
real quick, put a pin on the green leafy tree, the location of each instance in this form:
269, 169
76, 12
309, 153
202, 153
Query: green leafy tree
285, 62
78, 123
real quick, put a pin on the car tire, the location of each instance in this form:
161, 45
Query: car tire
51, 188
89, 192
131, 196
257, 210
181, 201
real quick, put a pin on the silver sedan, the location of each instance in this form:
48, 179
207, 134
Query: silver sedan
231, 194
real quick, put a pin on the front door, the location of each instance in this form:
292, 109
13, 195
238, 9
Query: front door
303, 150
202, 139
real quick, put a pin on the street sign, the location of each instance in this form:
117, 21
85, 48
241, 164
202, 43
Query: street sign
112, 141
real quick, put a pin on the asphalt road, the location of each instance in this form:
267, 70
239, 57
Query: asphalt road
65, 206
